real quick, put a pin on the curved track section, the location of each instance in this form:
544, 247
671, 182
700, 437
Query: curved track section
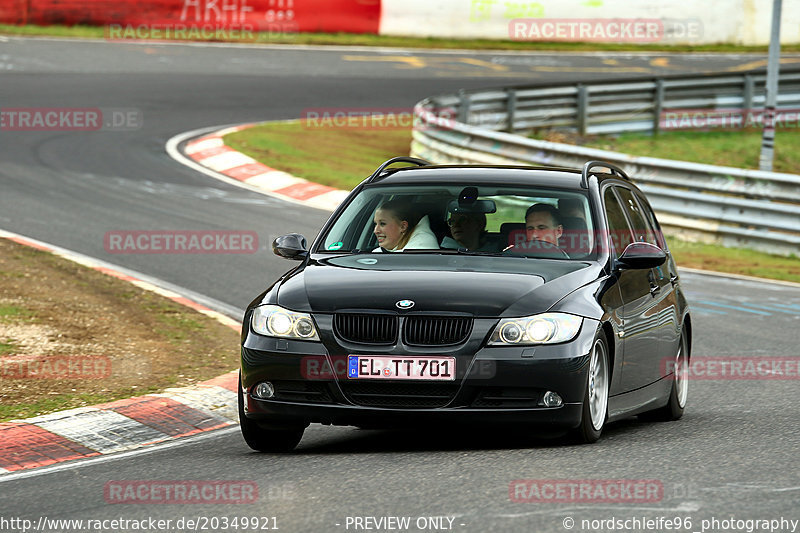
732, 454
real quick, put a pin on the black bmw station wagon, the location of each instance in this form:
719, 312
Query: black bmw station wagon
477, 294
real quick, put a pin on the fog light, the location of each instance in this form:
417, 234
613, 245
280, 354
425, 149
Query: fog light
552, 399
264, 390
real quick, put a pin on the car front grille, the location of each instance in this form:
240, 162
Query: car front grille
436, 331
366, 328
400, 395
418, 330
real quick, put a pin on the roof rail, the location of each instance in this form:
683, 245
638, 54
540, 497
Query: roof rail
392, 161
591, 164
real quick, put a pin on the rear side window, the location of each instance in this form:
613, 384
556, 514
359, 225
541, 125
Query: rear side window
642, 227
619, 231
651, 217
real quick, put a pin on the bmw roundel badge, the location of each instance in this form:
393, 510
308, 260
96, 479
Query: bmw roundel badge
405, 304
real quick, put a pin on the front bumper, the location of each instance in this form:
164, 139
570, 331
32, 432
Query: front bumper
291, 414
493, 385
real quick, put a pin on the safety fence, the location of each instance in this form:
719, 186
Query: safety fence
726, 205
199, 19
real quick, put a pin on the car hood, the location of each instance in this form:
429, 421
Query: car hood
457, 286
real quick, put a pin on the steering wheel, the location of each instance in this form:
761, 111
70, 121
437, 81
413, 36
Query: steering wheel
543, 249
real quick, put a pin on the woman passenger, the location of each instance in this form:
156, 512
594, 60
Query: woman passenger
399, 227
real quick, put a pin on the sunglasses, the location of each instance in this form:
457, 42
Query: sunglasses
457, 220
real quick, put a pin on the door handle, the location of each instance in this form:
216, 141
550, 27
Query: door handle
673, 279
654, 289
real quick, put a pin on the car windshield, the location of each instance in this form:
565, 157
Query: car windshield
479, 219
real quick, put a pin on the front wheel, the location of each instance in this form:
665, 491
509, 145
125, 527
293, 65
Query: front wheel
263, 439
595, 400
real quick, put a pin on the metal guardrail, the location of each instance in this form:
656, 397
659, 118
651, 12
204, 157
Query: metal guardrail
648, 105
731, 206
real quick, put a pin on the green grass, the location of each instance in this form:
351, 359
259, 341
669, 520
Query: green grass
14, 312
181, 345
315, 154
349, 39
734, 260
735, 148
178, 326
339, 157
85, 32
7, 347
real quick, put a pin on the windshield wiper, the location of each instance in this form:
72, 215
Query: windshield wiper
355, 251
452, 251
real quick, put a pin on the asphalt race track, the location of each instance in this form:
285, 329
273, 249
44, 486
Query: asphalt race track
733, 455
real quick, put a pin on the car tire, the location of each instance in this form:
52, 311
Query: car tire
264, 439
680, 387
595, 401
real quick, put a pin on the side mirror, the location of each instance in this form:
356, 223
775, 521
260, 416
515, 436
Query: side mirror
641, 255
291, 246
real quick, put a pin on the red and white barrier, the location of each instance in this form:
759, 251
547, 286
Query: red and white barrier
318, 16
642, 22
713, 21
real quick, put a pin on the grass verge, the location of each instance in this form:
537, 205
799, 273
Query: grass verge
316, 154
71, 336
734, 260
351, 39
732, 148
339, 157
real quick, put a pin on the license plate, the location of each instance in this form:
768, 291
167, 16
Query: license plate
383, 367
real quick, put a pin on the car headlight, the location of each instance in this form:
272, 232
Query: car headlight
547, 328
275, 321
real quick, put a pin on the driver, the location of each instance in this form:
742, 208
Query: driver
543, 223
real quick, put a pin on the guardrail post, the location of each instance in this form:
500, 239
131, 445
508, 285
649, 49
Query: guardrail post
658, 106
582, 109
511, 109
463, 106
749, 86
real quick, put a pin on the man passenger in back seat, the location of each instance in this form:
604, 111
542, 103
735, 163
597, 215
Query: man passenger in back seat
468, 231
